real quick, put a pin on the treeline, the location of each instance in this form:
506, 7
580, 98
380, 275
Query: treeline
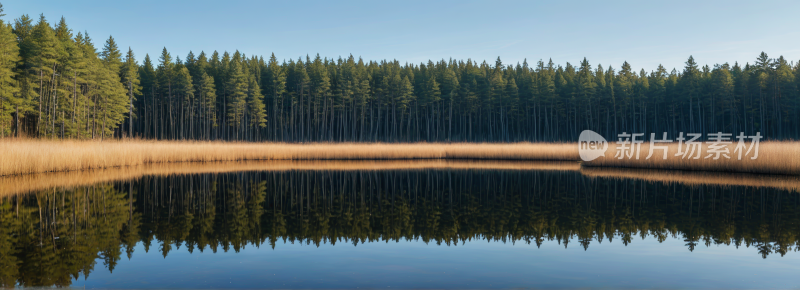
57, 235
55, 83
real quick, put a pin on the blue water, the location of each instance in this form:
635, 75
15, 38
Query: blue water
477, 264
49, 237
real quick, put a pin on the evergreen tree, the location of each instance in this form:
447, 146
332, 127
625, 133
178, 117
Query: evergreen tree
112, 97
129, 74
208, 97
10, 100
147, 105
255, 103
184, 90
236, 87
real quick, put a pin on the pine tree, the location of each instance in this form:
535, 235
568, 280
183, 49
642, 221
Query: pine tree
208, 97
111, 54
166, 80
149, 84
274, 85
113, 101
184, 90
255, 103
236, 87
44, 59
23, 30
10, 99
129, 73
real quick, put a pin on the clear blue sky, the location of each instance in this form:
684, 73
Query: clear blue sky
645, 33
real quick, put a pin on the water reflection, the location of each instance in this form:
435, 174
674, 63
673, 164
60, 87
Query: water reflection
54, 236
16, 184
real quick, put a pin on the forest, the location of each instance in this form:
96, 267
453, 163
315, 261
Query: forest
54, 236
55, 83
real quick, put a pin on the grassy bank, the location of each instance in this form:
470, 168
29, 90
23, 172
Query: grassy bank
23, 156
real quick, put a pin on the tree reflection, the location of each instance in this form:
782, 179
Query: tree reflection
51, 238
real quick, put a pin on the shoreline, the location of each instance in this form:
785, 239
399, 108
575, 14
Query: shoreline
774, 157
35, 156
20, 184
27, 156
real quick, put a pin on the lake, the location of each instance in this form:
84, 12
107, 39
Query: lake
389, 225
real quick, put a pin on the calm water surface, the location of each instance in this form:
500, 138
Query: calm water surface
418, 228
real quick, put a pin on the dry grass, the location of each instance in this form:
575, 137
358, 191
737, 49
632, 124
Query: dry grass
23, 156
64, 164
724, 179
15, 184
773, 158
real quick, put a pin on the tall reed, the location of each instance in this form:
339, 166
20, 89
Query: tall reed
22, 156
773, 158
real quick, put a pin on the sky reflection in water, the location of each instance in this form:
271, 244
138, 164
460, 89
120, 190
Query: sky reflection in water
446, 228
477, 264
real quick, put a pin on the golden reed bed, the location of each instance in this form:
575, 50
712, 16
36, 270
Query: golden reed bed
23, 156
773, 158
